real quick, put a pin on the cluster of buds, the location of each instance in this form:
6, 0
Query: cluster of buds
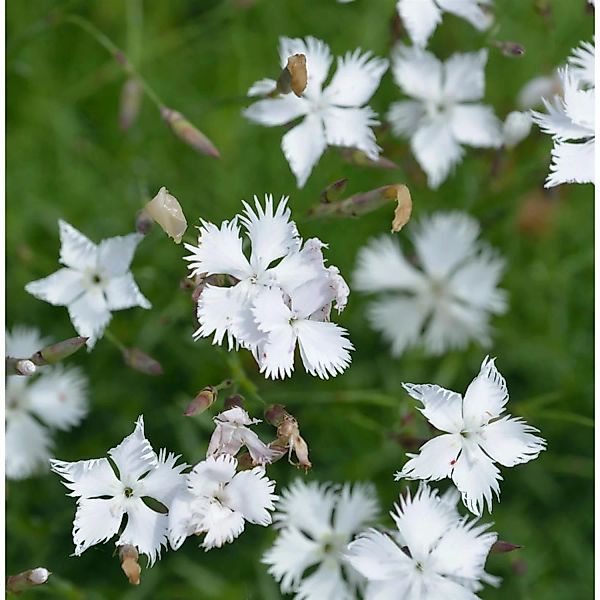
46, 356
288, 439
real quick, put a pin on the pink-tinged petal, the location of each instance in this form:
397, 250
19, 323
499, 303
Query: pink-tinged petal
464, 76
511, 441
417, 72
486, 396
476, 125
405, 117
76, 250
96, 521
470, 10
252, 493
476, 477
115, 254
441, 407
356, 78
420, 17
122, 292
352, 128
277, 111
318, 60
90, 315
436, 150
572, 163
303, 146
60, 288
88, 478
435, 460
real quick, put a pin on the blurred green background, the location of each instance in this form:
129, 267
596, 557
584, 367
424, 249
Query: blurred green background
67, 158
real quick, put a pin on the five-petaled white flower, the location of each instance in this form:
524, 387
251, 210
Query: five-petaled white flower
54, 399
476, 437
334, 116
105, 494
218, 502
444, 306
573, 118
232, 432
421, 17
94, 281
316, 522
264, 288
435, 553
444, 112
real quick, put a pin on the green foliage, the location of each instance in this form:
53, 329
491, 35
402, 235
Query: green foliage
68, 159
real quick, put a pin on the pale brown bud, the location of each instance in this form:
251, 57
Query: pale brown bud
142, 362
205, 398
167, 212
500, 547
189, 134
129, 556
131, 99
27, 579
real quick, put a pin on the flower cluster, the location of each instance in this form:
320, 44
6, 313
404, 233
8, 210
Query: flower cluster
34, 406
445, 305
279, 297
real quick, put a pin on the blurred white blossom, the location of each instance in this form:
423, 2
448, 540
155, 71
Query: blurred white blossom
106, 495
434, 554
421, 17
334, 116
449, 302
266, 287
532, 94
218, 501
516, 128
475, 437
56, 398
95, 280
316, 523
444, 112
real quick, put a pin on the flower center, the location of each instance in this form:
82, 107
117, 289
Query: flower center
128, 492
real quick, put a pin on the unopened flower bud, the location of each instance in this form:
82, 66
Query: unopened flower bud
516, 128
275, 414
334, 191
232, 401
131, 98
294, 76
167, 212
129, 556
189, 134
205, 398
510, 49
501, 546
27, 579
360, 159
143, 222
142, 362
59, 351
25, 367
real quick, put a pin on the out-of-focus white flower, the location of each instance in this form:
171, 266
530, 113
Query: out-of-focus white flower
444, 113
316, 522
218, 502
232, 432
532, 94
435, 553
54, 399
421, 17
279, 265
571, 122
105, 495
447, 304
94, 281
475, 437
334, 116
516, 128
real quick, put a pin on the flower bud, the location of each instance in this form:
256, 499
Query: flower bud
27, 579
142, 362
189, 134
131, 98
205, 398
500, 546
129, 556
143, 222
275, 414
516, 128
25, 367
59, 351
232, 401
167, 212
334, 191
510, 49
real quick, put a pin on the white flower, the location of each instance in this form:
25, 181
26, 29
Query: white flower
334, 116
316, 523
444, 306
94, 281
475, 437
54, 399
218, 501
279, 264
534, 91
570, 118
516, 128
421, 17
582, 63
435, 554
444, 112
105, 495
232, 432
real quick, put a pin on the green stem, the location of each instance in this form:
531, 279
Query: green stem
116, 53
111, 337
239, 375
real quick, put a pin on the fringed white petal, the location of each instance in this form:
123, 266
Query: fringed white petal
357, 507
417, 72
115, 254
165, 480
221, 525
352, 128
405, 117
476, 125
470, 10
572, 163
23, 341
318, 60
96, 520
262, 87
441, 407
76, 250
435, 459
252, 494
277, 111
59, 289
464, 76
420, 17
88, 478
27, 446
90, 315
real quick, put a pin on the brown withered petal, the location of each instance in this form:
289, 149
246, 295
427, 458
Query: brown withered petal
401, 194
142, 362
27, 579
167, 212
189, 134
129, 563
296, 65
